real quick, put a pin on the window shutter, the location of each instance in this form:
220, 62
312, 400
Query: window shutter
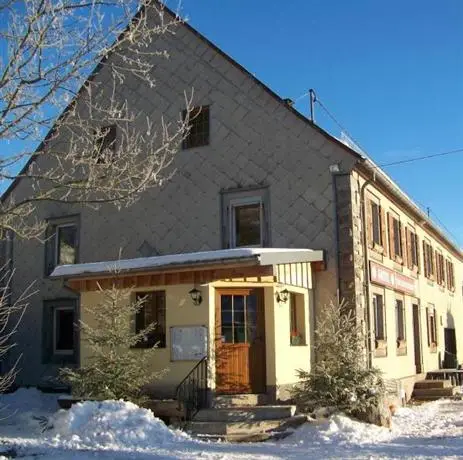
408, 247
384, 230
435, 326
425, 260
428, 328
50, 248
417, 244
403, 244
433, 263
391, 236
369, 223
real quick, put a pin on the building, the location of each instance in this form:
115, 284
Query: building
253, 172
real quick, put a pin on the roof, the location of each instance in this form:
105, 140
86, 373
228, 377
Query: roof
362, 159
253, 256
380, 176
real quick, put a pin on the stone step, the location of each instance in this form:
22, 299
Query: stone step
433, 393
242, 414
239, 400
244, 427
243, 438
422, 384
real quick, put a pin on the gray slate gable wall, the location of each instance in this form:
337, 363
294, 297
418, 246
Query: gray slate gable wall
254, 140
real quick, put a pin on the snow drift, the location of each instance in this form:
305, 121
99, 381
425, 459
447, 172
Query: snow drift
113, 423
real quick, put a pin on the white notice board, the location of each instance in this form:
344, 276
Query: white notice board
188, 343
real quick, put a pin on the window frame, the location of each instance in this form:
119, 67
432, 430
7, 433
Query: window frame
66, 352
295, 318
152, 342
379, 230
50, 245
204, 135
414, 253
383, 336
242, 203
234, 198
401, 321
101, 143
428, 259
49, 356
57, 242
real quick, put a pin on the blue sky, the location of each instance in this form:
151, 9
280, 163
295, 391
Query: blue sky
390, 71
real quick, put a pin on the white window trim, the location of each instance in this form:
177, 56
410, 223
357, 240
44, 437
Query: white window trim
236, 203
55, 350
57, 229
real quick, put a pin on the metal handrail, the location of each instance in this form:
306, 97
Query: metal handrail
191, 393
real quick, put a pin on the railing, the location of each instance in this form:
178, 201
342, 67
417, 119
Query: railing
454, 375
192, 392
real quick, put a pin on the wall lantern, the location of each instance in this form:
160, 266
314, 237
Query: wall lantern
283, 296
196, 296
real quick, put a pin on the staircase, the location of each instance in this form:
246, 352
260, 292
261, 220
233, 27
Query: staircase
244, 418
432, 390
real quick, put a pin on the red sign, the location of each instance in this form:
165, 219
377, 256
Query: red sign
392, 279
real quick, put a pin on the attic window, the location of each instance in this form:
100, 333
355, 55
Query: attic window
198, 134
105, 143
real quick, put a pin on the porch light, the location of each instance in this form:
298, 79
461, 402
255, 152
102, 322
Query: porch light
196, 296
283, 296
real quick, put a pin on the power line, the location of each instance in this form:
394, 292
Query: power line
424, 157
335, 120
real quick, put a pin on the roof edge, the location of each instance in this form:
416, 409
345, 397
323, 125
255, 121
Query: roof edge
377, 173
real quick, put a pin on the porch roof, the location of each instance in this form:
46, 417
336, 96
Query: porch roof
193, 260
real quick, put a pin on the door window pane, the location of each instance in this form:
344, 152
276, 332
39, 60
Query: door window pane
248, 225
238, 318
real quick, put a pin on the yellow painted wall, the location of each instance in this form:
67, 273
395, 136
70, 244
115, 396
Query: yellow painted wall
282, 359
449, 305
180, 311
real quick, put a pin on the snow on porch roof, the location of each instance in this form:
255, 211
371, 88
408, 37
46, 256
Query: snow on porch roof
260, 256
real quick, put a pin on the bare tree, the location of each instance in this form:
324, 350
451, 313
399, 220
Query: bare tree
11, 313
65, 70
98, 148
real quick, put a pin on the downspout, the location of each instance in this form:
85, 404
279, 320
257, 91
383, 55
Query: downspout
366, 286
336, 236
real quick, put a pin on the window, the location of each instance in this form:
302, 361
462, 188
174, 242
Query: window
428, 255
413, 256
152, 311
440, 269
379, 317
396, 228
239, 316
245, 221
198, 133
395, 237
296, 320
62, 242
376, 221
59, 332
450, 274
105, 143
431, 315
400, 320
63, 330
66, 238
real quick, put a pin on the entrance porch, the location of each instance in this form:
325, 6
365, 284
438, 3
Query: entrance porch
237, 320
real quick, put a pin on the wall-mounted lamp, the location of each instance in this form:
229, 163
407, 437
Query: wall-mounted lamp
283, 296
196, 296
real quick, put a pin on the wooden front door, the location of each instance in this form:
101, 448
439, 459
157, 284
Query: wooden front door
240, 341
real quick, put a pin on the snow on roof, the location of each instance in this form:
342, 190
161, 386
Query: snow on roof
261, 256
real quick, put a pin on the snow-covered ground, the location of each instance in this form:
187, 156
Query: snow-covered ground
31, 428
